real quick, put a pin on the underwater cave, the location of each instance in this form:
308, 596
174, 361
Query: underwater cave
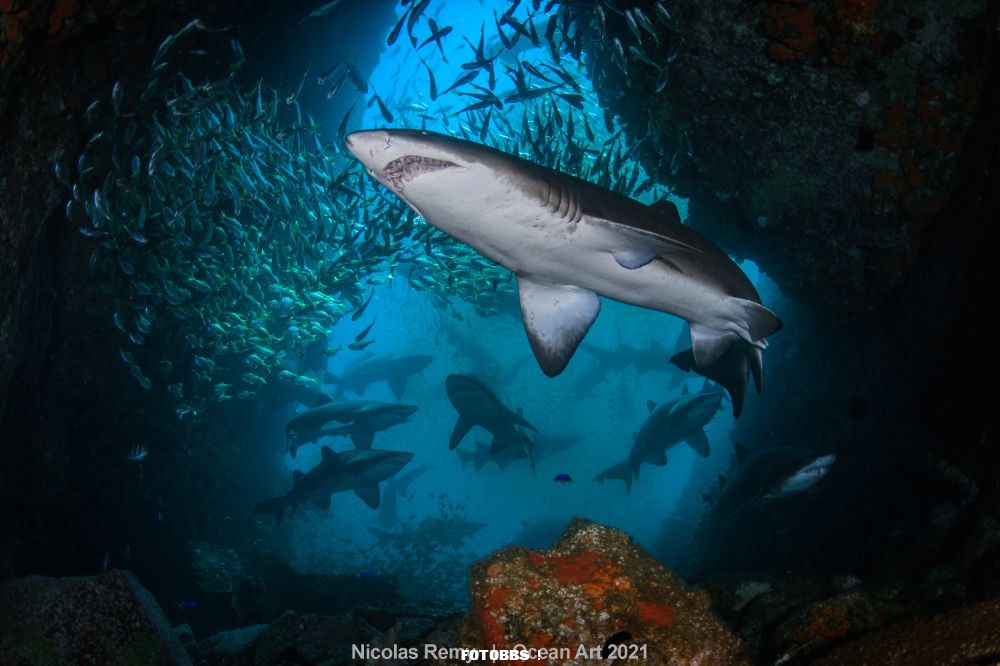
372, 331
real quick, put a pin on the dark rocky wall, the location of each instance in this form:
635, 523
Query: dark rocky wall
849, 147
69, 411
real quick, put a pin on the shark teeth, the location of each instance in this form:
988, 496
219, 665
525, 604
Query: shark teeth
408, 167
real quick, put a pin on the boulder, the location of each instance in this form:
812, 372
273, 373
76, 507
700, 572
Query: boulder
105, 619
298, 639
593, 587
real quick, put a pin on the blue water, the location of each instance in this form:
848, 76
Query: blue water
606, 413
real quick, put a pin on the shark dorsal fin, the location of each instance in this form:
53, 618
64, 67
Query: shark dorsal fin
741, 452
650, 406
666, 208
325, 453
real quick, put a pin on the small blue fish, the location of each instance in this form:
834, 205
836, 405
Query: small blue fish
366, 574
563, 478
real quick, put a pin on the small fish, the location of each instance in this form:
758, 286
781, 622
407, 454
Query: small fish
563, 478
137, 453
320, 11
361, 310
366, 574
358, 346
434, 92
363, 334
187, 604
462, 80
662, 13
342, 129
383, 109
394, 34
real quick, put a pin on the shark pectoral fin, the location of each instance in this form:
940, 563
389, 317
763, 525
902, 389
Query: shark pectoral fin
462, 428
699, 442
398, 386
363, 440
634, 248
322, 501
369, 495
556, 317
498, 444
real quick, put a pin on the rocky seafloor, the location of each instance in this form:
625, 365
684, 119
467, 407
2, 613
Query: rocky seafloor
594, 595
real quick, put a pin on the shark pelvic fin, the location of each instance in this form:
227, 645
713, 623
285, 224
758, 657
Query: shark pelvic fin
397, 385
731, 370
275, 505
363, 439
637, 247
369, 495
699, 442
622, 471
462, 428
657, 457
556, 317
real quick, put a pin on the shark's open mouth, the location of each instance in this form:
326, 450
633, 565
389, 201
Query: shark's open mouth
408, 167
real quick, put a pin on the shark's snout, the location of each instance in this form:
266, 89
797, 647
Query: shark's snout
369, 146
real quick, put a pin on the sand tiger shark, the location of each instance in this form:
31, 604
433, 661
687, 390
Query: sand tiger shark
568, 241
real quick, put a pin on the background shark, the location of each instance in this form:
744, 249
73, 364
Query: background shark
361, 419
680, 419
358, 470
567, 241
544, 446
477, 405
394, 369
769, 474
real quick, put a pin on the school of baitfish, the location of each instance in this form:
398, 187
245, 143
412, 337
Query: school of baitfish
231, 230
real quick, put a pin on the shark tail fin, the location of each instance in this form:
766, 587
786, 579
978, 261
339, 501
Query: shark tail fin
622, 471
731, 369
275, 506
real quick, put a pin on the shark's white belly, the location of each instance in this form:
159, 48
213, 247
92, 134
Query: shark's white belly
514, 230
